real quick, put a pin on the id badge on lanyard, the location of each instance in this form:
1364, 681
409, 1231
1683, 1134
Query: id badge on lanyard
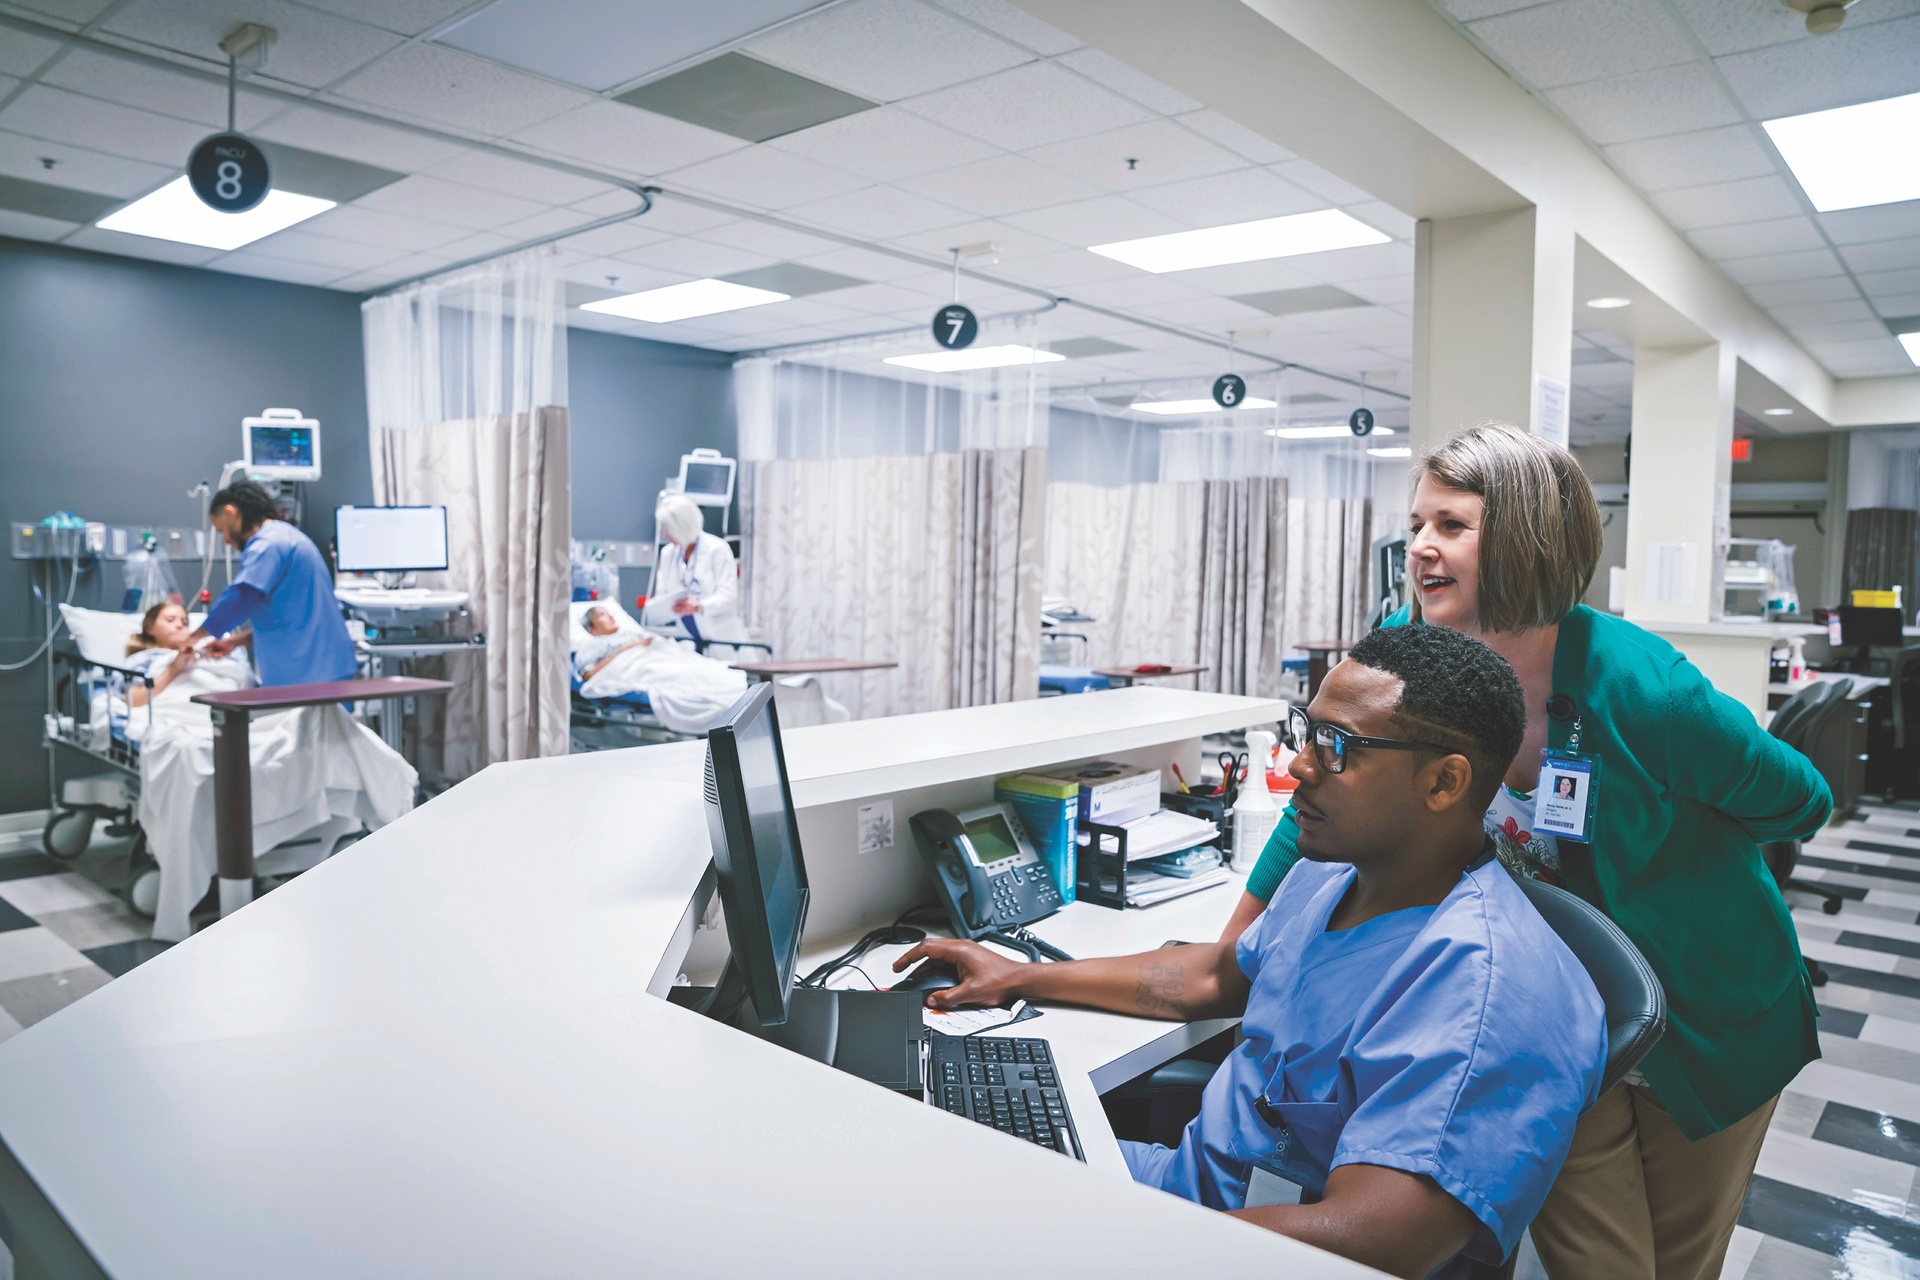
1567, 799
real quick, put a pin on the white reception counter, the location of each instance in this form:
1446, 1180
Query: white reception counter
444, 1053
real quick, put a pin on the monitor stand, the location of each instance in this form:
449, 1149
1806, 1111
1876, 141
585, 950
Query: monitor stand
875, 1035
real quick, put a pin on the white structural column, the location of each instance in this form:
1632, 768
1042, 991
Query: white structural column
1677, 491
1493, 323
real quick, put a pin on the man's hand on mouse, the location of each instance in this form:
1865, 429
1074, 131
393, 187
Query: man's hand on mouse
986, 980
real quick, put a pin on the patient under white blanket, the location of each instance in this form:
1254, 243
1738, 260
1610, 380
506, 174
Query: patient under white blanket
688, 692
313, 768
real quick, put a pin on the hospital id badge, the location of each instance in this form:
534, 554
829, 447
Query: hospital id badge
1265, 1187
1567, 798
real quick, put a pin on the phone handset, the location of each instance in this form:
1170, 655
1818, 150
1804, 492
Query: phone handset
963, 882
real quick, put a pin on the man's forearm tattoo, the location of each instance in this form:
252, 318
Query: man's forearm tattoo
1161, 988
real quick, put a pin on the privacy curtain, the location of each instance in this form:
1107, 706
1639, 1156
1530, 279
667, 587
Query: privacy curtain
466, 398
1881, 551
896, 518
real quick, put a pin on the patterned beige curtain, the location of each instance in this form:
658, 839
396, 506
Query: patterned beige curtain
1241, 565
1125, 556
1325, 580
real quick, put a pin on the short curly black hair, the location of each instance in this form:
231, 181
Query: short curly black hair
1455, 692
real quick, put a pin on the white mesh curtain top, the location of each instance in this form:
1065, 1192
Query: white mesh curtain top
466, 401
899, 516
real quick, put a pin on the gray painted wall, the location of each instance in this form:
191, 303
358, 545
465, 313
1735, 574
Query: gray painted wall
122, 383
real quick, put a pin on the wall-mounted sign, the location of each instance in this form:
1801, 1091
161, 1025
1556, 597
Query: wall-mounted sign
229, 173
954, 327
1360, 422
1229, 389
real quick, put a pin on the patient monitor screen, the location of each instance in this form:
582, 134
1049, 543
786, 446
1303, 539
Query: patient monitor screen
992, 839
390, 539
281, 447
708, 479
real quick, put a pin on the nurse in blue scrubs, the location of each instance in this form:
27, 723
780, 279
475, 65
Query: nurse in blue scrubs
1418, 1043
280, 601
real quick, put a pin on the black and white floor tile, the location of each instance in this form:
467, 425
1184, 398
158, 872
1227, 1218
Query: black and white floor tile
1837, 1192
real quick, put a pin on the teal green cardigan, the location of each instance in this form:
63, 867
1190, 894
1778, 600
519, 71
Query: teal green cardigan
1689, 787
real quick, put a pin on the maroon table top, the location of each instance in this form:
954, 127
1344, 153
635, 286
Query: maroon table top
276, 697
810, 666
1130, 673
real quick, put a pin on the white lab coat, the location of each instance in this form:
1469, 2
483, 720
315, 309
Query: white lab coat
712, 578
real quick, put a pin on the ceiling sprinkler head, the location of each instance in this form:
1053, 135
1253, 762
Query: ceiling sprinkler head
1823, 16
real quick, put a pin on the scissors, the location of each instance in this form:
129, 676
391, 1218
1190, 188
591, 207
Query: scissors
1232, 769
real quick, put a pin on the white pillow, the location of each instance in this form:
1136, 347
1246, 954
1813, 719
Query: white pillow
577, 620
102, 636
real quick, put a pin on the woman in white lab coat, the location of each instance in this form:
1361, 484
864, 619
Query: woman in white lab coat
696, 582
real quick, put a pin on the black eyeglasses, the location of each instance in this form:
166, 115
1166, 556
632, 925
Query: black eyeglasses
1331, 744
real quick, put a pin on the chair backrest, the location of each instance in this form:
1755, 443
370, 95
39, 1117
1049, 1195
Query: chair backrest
1636, 1007
1798, 713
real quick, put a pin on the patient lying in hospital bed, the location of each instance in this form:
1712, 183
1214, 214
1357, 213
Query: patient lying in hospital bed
317, 772
613, 655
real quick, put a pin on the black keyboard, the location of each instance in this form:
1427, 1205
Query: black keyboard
1009, 1084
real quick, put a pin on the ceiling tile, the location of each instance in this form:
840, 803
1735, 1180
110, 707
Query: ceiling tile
370, 226
26, 226
1468, 10
1000, 185
1887, 284
1101, 220
1577, 40
760, 237
408, 17
547, 222
681, 218
1845, 331
173, 95
1014, 24
1884, 255
1858, 63
1822, 313
766, 178
60, 116
1142, 291
695, 259
478, 245
1783, 266
1788, 293
1900, 305
22, 54
744, 98
1719, 203
1878, 222
432, 83
1647, 104
1348, 267
627, 139
1066, 270
357, 140
448, 202
1243, 195
795, 279
246, 262
1028, 107
1863, 359
1334, 190
882, 299
881, 212
77, 167
1121, 78
1236, 137
1750, 239
1730, 28
884, 145
519, 178
343, 256
1691, 159
616, 200
314, 49
888, 49
127, 246
1160, 151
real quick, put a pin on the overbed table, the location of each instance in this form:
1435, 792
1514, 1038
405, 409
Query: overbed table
233, 760
772, 667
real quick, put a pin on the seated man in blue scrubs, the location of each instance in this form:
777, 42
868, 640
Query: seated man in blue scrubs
1418, 1042
283, 588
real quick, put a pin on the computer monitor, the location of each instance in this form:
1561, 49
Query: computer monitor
281, 445
390, 539
1875, 627
706, 476
756, 850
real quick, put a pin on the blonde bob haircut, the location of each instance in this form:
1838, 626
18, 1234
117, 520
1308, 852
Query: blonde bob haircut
1540, 535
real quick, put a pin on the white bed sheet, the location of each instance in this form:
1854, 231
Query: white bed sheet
687, 692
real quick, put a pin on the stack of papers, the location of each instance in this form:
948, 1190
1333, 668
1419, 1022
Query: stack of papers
1164, 832
1148, 888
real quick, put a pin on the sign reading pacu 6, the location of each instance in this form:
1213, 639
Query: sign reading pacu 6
229, 173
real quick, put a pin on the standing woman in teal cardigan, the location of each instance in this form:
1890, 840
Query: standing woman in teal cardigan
1505, 538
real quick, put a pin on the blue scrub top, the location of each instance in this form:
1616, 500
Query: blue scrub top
299, 635
1460, 1041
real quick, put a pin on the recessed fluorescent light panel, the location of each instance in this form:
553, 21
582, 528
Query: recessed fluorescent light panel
1184, 408
1390, 451
175, 213
685, 301
1911, 341
1854, 156
975, 358
1777, 413
1244, 242
1609, 304
1330, 432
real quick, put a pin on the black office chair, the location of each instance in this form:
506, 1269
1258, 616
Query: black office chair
1806, 722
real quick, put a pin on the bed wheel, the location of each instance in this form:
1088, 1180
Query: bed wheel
68, 833
143, 895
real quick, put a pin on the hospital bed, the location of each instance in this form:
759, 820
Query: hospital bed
633, 711
91, 731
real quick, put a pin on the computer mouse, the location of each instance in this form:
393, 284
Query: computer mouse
931, 975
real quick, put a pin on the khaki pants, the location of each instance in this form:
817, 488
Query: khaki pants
1637, 1201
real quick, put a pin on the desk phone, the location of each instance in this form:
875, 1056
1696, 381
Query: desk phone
989, 875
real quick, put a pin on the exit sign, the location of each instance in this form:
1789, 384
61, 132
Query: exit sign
1743, 451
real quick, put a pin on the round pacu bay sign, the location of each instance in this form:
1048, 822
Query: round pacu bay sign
1360, 422
229, 173
955, 327
1229, 389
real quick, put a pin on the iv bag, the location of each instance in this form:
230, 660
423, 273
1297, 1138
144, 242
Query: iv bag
147, 576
